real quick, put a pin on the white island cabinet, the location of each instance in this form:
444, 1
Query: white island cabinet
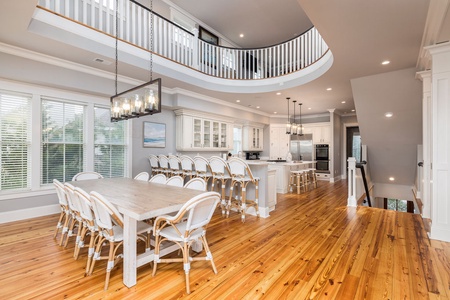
198, 131
284, 171
267, 187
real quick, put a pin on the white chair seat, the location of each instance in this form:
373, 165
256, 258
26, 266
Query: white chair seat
171, 234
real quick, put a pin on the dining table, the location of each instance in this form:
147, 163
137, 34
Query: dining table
138, 200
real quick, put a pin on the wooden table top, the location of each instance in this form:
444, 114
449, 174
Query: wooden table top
139, 199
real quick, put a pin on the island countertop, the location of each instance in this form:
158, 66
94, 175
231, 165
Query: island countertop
265, 162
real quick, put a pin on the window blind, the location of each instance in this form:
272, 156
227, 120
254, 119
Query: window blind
15, 141
110, 144
63, 153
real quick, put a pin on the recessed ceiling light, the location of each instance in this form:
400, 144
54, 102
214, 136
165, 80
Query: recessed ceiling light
257, 107
353, 110
241, 35
388, 115
329, 89
275, 112
238, 101
391, 178
309, 107
278, 93
386, 62
342, 102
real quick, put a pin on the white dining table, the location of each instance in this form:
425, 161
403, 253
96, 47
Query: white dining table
138, 200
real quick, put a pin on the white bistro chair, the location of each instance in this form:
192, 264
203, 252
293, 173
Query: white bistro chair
175, 181
196, 184
241, 177
202, 168
184, 231
64, 217
220, 177
158, 178
144, 176
87, 176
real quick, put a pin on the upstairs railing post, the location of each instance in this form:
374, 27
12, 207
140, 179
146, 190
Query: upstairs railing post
196, 45
351, 200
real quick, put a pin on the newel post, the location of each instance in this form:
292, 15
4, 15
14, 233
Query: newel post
351, 200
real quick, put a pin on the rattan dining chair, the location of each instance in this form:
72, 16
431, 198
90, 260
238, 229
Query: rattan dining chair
64, 217
184, 231
110, 224
144, 176
164, 165
158, 178
76, 221
196, 184
241, 177
175, 181
175, 166
89, 225
87, 176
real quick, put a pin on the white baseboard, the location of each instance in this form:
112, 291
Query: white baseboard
28, 213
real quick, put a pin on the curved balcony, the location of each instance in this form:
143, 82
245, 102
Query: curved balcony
294, 62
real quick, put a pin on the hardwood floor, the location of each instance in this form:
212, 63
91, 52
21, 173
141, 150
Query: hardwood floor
312, 247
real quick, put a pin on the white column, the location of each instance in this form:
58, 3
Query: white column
440, 98
427, 142
351, 200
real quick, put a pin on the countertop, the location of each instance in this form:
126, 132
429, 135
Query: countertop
264, 162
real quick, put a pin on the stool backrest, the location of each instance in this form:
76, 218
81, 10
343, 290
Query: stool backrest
187, 163
202, 164
219, 166
163, 161
238, 167
154, 161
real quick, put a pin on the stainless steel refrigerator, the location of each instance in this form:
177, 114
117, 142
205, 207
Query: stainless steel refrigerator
301, 147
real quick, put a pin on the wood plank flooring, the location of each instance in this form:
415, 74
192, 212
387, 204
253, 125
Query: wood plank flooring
312, 247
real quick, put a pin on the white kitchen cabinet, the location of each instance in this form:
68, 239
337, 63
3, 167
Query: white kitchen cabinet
252, 139
279, 142
321, 132
196, 132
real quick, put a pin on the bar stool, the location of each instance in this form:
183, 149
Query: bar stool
241, 177
187, 166
175, 166
312, 177
154, 164
164, 165
298, 180
202, 168
220, 175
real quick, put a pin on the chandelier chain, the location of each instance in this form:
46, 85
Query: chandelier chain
151, 40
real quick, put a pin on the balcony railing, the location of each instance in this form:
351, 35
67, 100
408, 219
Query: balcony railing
175, 43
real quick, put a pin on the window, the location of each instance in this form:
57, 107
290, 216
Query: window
63, 153
237, 140
110, 146
15, 141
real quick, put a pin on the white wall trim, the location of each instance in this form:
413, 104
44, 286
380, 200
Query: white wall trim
28, 213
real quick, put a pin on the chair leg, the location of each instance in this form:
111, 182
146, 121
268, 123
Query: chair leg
59, 224
97, 252
243, 200
90, 250
65, 228
186, 266
156, 254
223, 201
110, 264
209, 254
80, 240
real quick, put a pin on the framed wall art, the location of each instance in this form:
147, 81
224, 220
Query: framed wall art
154, 135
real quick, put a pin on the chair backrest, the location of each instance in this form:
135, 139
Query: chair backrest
144, 176
199, 210
202, 164
85, 204
154, 161
175, 181
174, 162
219, 166
163, 161
196, 184
187, 163
87, 176
238, 167
106, 215
61, 193
73, 201
158, 178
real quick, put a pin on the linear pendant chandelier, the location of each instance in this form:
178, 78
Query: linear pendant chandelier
142, 100
293, 128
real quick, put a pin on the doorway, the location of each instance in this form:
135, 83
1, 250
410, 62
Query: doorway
353, 143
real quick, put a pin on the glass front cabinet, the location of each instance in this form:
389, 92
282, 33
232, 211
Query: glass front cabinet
197, 132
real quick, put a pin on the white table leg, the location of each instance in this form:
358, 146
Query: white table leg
129, 251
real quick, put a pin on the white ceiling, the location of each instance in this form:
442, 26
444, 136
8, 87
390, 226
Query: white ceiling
360, 34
